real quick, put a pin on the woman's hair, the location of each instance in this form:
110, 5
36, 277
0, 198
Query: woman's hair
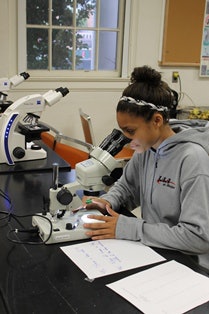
146, 85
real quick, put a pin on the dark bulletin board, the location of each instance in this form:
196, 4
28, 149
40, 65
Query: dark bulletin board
183, 27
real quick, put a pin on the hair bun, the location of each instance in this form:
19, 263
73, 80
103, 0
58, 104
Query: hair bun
146, 75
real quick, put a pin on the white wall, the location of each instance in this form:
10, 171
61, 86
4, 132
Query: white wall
99, 97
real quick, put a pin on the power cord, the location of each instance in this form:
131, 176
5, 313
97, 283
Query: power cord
180, 89
4, 302
183, 94
8, 216
5, 215
5, 196
33, 230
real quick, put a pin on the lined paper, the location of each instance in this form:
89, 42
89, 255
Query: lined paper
169, 288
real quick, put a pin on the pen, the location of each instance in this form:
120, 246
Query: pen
78, 209
89, 201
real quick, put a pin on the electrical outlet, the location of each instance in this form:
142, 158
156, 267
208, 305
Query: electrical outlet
175, 76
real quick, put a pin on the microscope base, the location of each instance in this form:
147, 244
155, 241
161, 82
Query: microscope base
59, 232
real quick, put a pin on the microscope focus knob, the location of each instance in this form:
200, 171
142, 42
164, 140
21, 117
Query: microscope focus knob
64, 196
18, 152
108, 180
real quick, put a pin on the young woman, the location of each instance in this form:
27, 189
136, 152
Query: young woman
168, 176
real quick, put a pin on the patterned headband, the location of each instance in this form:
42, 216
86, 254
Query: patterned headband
142, 103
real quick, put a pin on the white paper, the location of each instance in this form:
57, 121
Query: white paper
104, 257
169, 288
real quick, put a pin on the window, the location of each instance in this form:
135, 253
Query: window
71, 37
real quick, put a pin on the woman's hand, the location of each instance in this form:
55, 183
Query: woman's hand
105, 229
95, 203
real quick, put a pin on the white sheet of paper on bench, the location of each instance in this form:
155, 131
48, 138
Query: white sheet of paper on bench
105, 257
169, 288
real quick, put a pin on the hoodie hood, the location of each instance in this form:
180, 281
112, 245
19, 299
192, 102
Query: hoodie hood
194, 131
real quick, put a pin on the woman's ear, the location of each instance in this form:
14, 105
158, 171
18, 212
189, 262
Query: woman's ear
157, 119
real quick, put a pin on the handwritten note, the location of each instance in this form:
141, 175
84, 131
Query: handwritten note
101, 258
169, 288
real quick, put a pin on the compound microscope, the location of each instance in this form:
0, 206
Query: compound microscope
64, 220
19, 127
6, 84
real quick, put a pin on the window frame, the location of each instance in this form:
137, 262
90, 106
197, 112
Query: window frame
123, 42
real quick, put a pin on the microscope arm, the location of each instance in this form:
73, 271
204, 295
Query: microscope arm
64, 198
90, 176
12, 142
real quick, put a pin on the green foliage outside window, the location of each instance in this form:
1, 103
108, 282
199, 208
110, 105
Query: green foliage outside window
56, 28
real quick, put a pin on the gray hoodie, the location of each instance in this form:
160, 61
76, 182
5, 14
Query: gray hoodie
171, 185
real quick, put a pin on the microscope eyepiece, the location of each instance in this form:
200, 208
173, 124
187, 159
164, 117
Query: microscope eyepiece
110, 138
63, 90
25, 75
114, 142
117, 145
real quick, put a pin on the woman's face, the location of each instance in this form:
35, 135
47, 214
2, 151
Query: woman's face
142, 133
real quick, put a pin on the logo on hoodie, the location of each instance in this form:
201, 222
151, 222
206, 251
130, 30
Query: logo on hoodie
166, 182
